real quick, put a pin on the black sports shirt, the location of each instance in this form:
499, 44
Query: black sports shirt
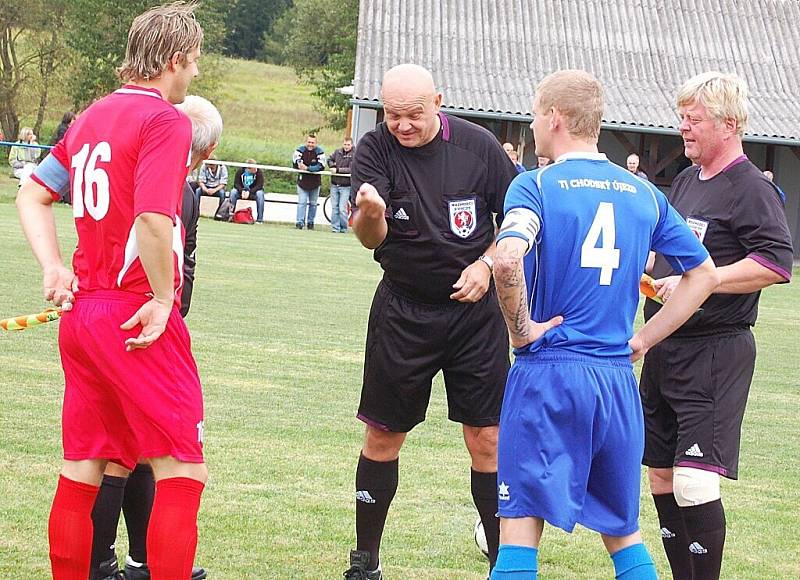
439, 203
736, 214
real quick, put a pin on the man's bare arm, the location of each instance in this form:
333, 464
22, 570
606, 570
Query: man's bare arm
512, 293
694, 287
34, 204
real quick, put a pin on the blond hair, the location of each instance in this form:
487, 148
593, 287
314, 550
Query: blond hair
723, 95
206, 122
578, 96
156, 36
25, 134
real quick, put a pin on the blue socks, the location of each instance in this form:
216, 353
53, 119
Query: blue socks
515, 563
520, 563
633, 563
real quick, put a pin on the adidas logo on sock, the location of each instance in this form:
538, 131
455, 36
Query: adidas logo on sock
694, 451
401, 214
364, 496
665, 533
696, 548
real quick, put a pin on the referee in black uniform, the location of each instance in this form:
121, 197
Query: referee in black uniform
426, 186
695, 384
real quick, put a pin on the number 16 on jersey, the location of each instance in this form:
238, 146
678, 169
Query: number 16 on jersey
90, 185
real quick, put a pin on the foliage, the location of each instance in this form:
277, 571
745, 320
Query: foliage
322, 49
275, 41
248, 21
98, 31
30, 38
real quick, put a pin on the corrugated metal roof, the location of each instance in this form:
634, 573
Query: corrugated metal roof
488, 55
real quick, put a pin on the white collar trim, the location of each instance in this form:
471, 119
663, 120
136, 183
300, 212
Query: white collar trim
583, 155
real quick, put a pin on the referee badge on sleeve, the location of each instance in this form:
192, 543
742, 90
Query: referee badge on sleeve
463, 217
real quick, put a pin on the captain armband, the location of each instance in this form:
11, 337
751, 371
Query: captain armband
520, 223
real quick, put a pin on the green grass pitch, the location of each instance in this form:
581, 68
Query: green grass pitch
278, 323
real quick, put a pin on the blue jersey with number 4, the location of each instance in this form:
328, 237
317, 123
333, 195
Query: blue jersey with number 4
597, 223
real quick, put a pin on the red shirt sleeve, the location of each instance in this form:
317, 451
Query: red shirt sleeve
161, 168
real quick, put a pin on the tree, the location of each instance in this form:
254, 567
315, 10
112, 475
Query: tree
29, 40
322, 49
98, 32
248, 21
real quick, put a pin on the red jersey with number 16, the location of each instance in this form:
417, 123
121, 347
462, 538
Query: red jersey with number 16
125, 155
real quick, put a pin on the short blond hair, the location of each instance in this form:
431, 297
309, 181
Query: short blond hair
723, 95
155, 36
578, 96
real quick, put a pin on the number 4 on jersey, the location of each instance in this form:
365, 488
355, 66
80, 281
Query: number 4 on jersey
90, 184
606, 257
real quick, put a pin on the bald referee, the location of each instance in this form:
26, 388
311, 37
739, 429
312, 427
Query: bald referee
427, 185
694, 385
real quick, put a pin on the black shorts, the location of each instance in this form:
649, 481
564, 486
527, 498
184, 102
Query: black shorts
409, 342
694, 392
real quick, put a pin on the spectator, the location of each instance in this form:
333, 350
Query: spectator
769, 175
542, 162
340, 162
310, 158
249, 184
515, 159
514, 156
23, 160
66, 121
633, 166
212, 181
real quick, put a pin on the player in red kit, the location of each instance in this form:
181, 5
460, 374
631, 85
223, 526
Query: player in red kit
132, 388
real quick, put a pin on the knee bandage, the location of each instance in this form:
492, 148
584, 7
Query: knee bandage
693, 486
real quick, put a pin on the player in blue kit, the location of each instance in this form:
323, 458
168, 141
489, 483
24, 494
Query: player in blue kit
573, 245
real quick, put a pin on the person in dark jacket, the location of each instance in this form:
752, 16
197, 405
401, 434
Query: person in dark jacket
340, 162
249, 184
310, 159
61, 130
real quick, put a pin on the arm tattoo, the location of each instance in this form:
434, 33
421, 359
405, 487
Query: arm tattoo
512, 294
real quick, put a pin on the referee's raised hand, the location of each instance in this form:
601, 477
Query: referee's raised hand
370, 202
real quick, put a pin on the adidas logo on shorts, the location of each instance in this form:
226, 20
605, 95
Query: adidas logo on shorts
364, 496
696, 548
665, 533
401, 214
694, 451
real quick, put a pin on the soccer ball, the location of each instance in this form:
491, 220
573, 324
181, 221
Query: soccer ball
480, 538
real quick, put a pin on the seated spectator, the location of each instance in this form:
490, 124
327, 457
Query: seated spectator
212, 181
61, 130
23, 160
249, 184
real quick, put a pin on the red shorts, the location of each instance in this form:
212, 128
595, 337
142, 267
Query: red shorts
122, 405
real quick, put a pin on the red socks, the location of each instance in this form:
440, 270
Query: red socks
70, 529
172, 533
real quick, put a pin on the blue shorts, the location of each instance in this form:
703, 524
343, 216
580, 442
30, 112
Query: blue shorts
571, 442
